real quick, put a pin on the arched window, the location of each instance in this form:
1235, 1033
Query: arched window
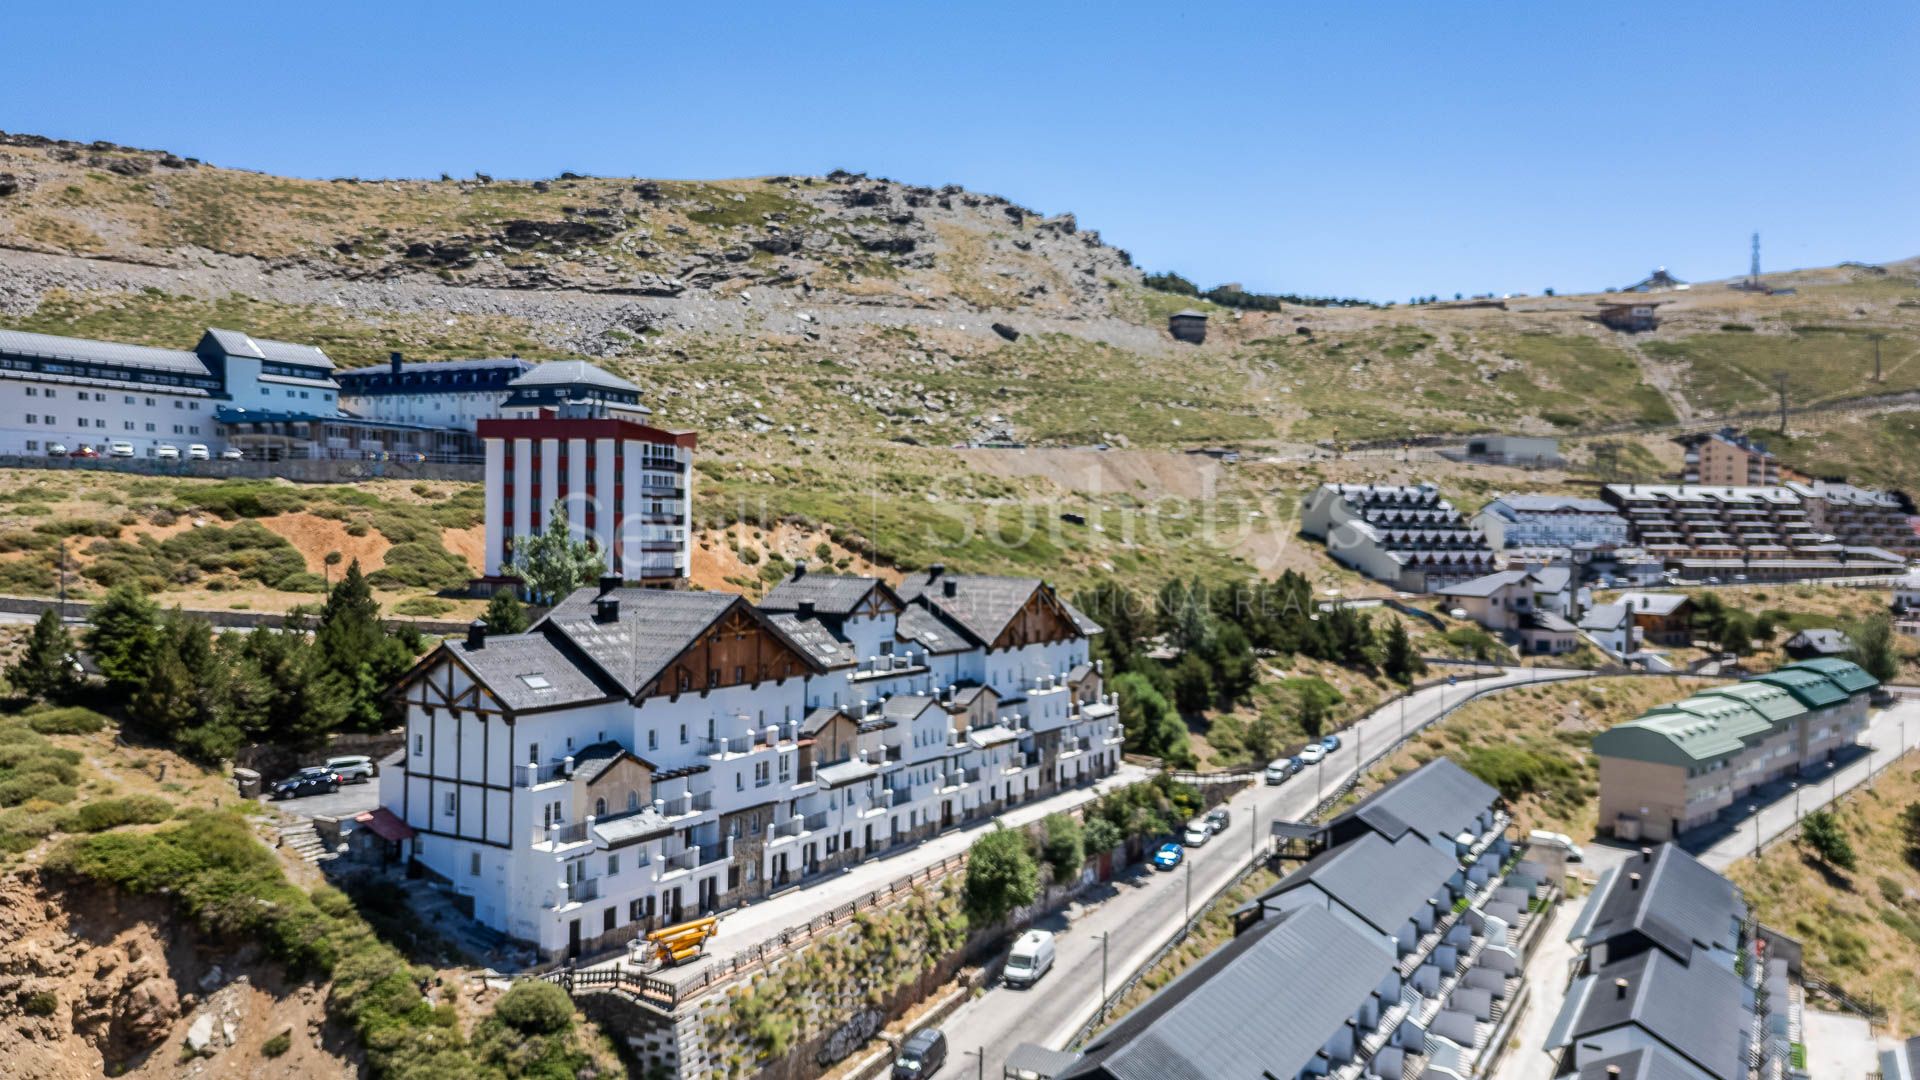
599, 808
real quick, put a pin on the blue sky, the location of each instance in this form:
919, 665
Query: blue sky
1369, 149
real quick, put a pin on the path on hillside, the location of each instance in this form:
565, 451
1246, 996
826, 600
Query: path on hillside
1144, 909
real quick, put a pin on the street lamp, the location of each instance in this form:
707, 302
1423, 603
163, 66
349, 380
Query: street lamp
981, 1060
1104, 934
1754, 809
1189, 894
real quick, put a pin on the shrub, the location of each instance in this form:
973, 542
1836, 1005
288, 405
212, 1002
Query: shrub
70, 720
418, 564
533, 1007
1516, 771
1001, 876
277, 1045
41, 1003
105, 814
423, 607
1063, 847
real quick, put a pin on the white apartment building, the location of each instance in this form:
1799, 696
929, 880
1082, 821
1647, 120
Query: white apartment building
640, 755
627, 485
1404, 535
1551, 521
441, 393
75, 392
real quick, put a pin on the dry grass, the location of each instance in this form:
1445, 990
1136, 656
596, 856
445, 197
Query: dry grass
1861, 929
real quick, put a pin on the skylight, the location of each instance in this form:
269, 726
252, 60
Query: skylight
536, 682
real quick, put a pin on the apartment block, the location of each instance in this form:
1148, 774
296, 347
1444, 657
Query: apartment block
1861, 517
1677, 767
1551, 521
1407, 536
643, 754
1674, 978
1740, 533
1394, 951
1727, 459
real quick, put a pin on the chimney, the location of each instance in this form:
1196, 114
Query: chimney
1620, 989
934, 570
1646, 854
806, 607
1633, 882
1613, 1071
799, 569
477, 634
606, 609
950, 588
393, 362
608, 583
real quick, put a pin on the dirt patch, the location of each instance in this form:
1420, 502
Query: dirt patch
314, 536
95, 984
718, 561
469, 543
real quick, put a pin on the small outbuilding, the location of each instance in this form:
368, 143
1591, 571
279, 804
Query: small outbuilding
1632, 316
1188, 325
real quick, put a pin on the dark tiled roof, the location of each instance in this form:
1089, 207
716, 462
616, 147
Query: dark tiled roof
654, 626
1383, 883
1646, 1063
1697, 1010
832, 594
813, 637
1438, 799
591, 762
1263, 1004
982, 605
930, 631
905, 706
530, 671
1677, 903
818, 719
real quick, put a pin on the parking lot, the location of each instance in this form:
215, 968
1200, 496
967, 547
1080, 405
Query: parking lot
344, 803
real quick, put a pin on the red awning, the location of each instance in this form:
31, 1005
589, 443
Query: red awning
385, 825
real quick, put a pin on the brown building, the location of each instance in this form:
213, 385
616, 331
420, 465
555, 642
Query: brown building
1629, 315
1728, 459
1661, 618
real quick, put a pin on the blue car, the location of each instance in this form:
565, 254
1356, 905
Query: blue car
1296, 763
1168, 856
1330, 743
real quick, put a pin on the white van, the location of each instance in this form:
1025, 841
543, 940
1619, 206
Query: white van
1545, 839
1032, 957
198, 452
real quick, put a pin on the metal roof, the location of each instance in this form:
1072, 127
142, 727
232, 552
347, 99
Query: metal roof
238, 343
653, 626
1552, 504
813, 637
1604, 617
1767, 699
1676, 902
831, 594
1384, 883
111, 353
1038, 1060
1815, 690
1645, 1063
1487, 585
1845, 674
530, 671
1698, 1011
1262, 1005
1438, 800
929, 630
572, 373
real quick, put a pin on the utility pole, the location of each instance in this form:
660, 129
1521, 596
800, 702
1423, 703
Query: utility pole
1781, 379
1183, 929
1877, 337
1104, 934
1753, 275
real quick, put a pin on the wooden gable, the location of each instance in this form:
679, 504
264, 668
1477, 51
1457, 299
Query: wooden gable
1042, 619
440, 681
878, 601
628, 775
737, 649
837, 740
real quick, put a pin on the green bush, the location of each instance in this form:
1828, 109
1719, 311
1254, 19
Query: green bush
423, 607
68, 720
277, 1045
105, 814
421, 565
1517, 771
242, 499
533, 1007
41, 1003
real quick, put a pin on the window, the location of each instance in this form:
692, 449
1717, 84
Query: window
452, 803
149, 427
33, 391
599, 808
633, 800
31, 418
46, 393
653, 739
613, 864
473, 864
683, 734
129, 399
419, 745
533, 753
33, 444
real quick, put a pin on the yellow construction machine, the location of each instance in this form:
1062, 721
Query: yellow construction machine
671, 945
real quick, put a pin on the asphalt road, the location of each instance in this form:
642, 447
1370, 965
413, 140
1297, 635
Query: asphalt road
1139, 913
351, 799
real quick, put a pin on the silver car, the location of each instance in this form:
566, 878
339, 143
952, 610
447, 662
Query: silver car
353, 768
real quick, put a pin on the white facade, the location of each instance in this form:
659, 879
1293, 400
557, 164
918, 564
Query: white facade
749, 785
1551, 521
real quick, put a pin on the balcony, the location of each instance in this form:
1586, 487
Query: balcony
582, 891
1016, 763
886, 666
738, 744
680, 861
903, 795
708, 854
684, 804
533, 775
816, 821
789, 829
561, 833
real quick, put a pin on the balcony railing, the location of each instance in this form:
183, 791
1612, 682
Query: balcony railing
1017, 761
680, 860
815, 821
533, 775
713, 853
902, 796
683, 804
581, 891
738, 744
572, 832
793, 826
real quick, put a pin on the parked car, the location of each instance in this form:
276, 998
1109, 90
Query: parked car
1313, 753
1278, 770
308, 781
56, 449
1168, 856
1296, 763
1218, 819
1330, 743
1543, 838
351, 769
921, 1055
1197, 833
86, 452
125, 450
198, 452
1030, 958
163, 452
233, 453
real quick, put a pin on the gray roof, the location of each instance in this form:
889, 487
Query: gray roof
620, 830
1825, 640
429, 367
1553, 503
813, 637
572, 373
1438, 799
1188, 313
831, 594
1604, 617
1646, 603
654, 626
514, 668
54, 347
1552, 579
1383, 883
1039, 1060
1485, 586
818, 718
992, 736
237, 343
981, 604
929, 630
1550, 620
1080, 619
1645, 1063
1698, 1011
1678, 904
1902, 1062
845, 772
1263, 1004
592, 761
906, 706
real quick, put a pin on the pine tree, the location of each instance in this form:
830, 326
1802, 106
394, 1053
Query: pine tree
355, 648
123, 638
505, 614
1401, 662
45, 670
